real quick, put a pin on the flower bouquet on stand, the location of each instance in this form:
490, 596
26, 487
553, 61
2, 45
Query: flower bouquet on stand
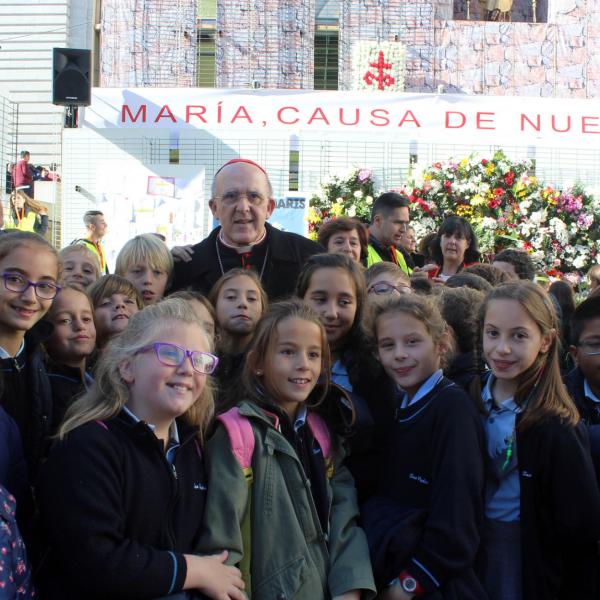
508, 206
349, 194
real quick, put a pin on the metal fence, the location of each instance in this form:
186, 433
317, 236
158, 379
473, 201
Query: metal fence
9, 127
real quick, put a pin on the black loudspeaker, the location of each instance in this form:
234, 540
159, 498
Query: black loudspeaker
71, 85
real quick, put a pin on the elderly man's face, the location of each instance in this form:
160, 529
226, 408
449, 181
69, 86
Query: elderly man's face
242, 203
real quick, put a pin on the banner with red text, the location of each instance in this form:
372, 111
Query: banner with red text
442, 118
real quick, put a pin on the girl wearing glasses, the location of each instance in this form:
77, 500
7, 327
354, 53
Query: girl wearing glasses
386, 280
122, 492
29, 271
542, 504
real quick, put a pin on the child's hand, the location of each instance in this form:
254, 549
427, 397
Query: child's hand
395, 592
209, 575
352, 595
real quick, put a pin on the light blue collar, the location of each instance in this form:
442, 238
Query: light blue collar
300, 420
489, 402
588, 392
425, 388
5, 354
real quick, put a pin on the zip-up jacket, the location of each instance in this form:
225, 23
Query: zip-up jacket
589, 412
36, 385
293, 557
560, 513
118, 517
67, 385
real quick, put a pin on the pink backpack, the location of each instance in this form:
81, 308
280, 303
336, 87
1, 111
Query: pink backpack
241, 438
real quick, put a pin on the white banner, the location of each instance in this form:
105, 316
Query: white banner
441, 118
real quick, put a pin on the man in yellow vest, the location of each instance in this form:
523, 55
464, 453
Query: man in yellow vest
96, 226
389, 221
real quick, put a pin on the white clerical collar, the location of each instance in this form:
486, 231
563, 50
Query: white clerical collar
241, 249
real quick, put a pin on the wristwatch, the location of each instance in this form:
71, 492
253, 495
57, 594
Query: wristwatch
409, 584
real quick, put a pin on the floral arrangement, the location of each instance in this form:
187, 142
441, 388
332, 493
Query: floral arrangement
508, 206
378, 66
349, 194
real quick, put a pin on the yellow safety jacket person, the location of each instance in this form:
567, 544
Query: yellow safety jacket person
397, 257
98, 250
25, 219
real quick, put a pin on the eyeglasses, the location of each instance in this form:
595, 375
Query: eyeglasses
232, 198
172, 355
44, 290
591, 348
383, 289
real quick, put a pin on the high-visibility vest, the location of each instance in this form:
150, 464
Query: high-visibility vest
374, 257
26, 223
97, 249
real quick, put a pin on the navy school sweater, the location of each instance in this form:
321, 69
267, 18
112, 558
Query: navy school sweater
435, 462
589, 412
118, 517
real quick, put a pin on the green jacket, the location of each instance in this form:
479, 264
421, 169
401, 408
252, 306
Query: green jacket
292, 557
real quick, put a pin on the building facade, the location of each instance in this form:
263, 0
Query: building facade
548, 48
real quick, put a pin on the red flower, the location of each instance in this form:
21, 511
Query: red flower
498, 191
448, 186
509, 178
495, 203
484, 161
423, 205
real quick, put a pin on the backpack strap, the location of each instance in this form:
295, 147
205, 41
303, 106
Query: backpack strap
241, 438
321, 433
240, 435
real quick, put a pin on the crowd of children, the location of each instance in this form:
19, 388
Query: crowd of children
373, 436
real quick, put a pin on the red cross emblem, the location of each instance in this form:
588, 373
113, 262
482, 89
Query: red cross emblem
380, 77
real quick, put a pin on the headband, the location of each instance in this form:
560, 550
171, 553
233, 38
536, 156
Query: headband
240, 160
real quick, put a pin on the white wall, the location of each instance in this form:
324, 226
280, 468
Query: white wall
29, 30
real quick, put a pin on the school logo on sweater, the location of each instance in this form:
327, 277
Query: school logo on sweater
418, 479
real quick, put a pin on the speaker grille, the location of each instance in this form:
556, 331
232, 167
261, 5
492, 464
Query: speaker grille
71, 77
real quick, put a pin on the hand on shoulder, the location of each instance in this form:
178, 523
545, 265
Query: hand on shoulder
182, 253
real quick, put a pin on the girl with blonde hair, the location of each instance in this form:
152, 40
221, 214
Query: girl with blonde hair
122, 493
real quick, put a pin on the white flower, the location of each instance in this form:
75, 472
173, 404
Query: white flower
489, 223
358, 194
579, 262
351, 212
339, 200
369, 200
537, 217
524, 206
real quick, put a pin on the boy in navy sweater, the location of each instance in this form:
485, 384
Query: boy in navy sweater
583, 382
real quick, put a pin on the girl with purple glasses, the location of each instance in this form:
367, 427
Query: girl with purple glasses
122, 493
